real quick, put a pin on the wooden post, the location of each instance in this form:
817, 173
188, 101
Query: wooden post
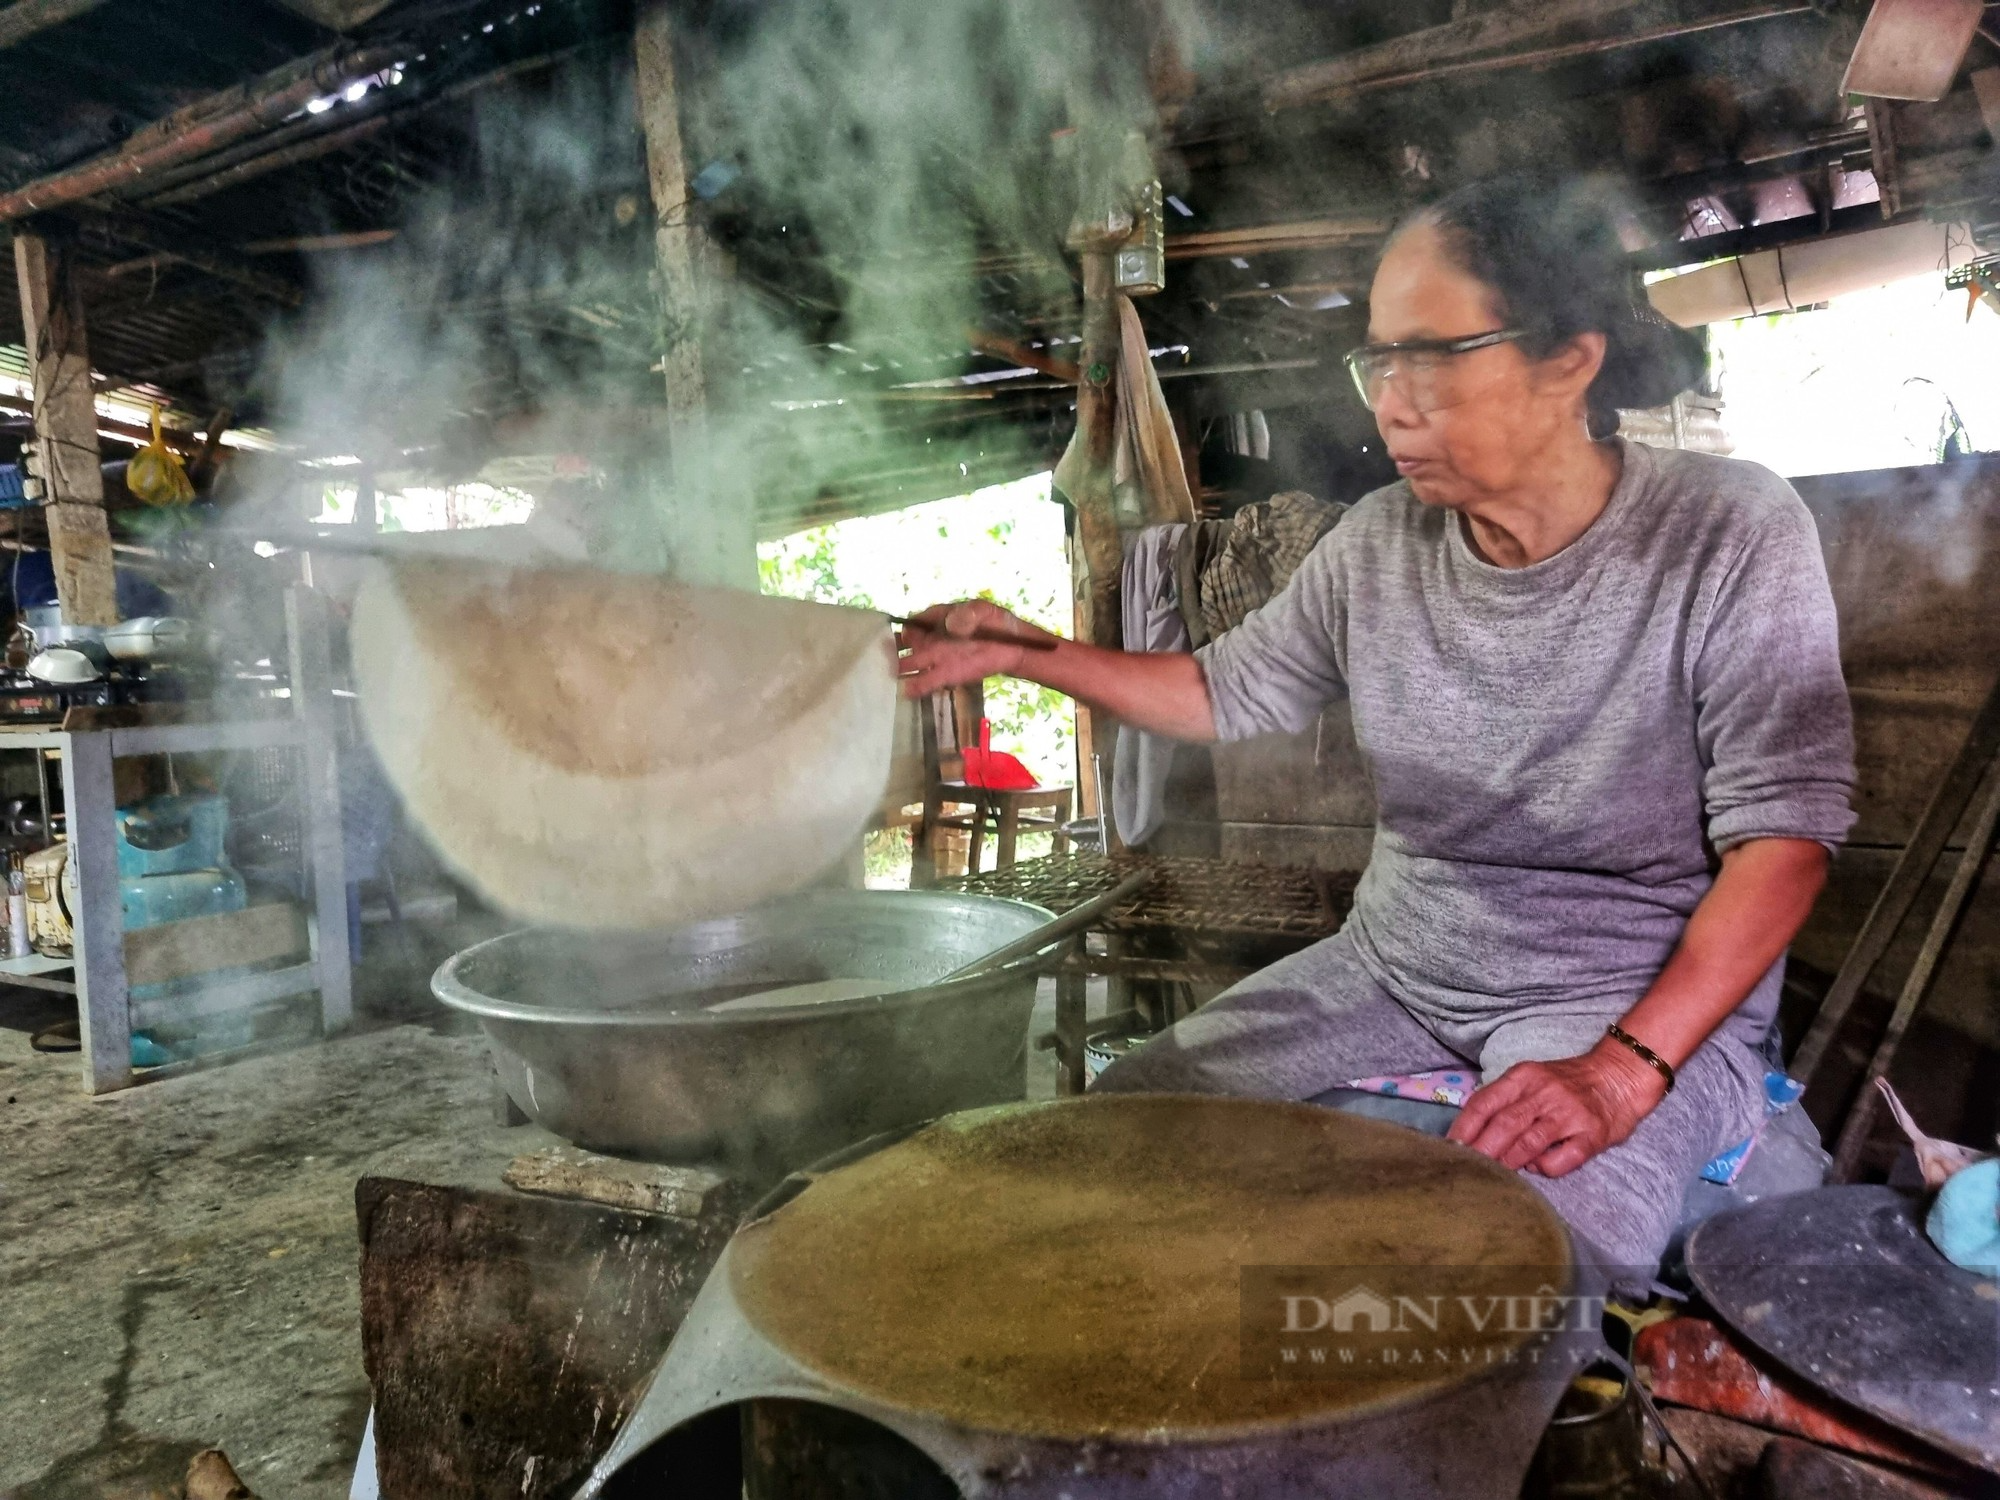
97, 926
1099, 553
65, 439
710, 524
1882, 154
308, 632
924, 837
1072, 1028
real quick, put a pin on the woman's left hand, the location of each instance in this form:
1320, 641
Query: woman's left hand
1552, 1117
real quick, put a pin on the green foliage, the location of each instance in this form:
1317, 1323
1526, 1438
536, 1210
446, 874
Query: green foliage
808, 570
1004, 544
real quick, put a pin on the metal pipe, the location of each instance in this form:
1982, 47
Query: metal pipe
1103, 797
129, 549
217, 122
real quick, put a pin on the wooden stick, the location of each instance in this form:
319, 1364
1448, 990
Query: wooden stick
1067, 925
1854, 1134
981, 633
1913, 867
202, 469
1002, 347
312, 244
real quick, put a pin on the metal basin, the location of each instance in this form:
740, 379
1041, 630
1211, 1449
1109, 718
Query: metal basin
605, 1039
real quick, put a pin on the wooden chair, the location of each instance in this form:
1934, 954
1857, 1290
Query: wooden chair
949, 721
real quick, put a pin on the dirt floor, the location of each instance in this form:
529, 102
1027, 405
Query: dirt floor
178, 1262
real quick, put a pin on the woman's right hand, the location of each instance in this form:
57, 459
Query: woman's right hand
938, 649
1164, 691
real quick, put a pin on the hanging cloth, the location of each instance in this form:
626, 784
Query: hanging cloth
1146, 454
1149, 603
1266, 544
1147, 459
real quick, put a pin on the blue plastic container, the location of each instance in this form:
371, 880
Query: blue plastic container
171, 836
149, 900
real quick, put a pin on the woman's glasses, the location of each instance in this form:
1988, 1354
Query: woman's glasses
1422, 367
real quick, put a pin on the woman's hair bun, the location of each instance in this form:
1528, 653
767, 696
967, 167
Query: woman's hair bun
1550, 252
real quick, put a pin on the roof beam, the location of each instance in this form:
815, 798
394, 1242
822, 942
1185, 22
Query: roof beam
1486, 31
25, 18
18, 409
193, 250
307, 140
1263, 239
1481, 43
314, 244
1672, 254
208, 125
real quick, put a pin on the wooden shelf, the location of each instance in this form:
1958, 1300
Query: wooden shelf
32, 971
166, 960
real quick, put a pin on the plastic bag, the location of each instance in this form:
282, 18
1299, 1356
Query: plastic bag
156, 475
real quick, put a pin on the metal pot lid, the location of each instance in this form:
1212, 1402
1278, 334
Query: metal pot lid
1842, 1287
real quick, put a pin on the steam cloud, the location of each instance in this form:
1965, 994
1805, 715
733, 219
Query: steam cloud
914, 145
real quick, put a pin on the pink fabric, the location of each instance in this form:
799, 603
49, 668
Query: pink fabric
1439, 1086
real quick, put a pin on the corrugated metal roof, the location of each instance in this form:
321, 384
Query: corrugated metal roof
567, 311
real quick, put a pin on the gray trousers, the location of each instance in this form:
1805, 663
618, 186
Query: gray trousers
1318, 1019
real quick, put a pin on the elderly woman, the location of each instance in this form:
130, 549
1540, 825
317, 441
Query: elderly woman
1597, 687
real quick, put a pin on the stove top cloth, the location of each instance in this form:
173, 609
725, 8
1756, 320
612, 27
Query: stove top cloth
609, 750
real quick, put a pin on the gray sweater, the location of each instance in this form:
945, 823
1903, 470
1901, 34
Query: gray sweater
1559, 750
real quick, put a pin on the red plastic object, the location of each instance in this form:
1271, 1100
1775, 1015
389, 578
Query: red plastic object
995, 770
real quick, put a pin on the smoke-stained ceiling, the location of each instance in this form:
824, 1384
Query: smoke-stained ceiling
432, 217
